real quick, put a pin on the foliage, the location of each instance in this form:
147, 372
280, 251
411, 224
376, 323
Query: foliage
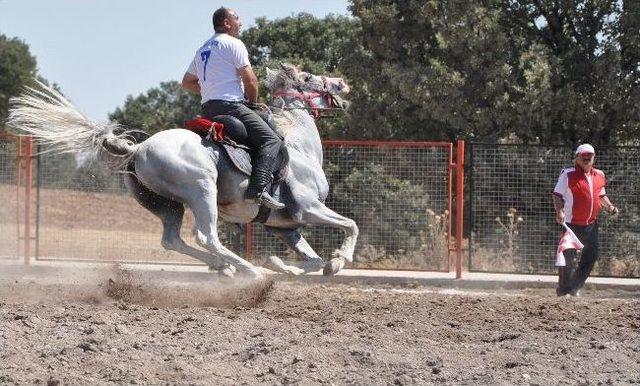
580, 79
17, 69
316, 44
546, 70
160, 108
509, 228
378, 225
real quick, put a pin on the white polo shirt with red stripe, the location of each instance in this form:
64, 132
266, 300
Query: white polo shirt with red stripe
581, 193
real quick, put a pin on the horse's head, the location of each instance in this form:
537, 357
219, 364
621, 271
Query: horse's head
300, 89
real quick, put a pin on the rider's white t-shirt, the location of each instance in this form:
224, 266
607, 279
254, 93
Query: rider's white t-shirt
216, 65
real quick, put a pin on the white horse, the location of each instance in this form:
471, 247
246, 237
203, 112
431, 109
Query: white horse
174, 168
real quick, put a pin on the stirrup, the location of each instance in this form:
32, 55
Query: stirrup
265, 199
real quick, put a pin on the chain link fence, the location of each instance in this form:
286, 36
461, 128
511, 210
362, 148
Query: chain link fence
9, 208
513, 226
85, 213
397, 193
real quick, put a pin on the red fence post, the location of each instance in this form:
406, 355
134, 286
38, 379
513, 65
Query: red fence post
450, 205
459, 206
18, 178
27, 198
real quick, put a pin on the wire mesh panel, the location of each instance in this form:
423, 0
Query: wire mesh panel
9, 229
512, 216
398, 194
85, 213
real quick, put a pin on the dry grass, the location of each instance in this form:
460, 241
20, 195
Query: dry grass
90, 226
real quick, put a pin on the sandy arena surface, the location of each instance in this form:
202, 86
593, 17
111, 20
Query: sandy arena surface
116, 327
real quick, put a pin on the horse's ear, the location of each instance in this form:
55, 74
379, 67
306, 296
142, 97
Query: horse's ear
288, 74
289, 69
270, 77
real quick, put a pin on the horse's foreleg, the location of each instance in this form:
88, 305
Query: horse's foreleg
205, 211
318, 214
311, 262
171, 214
172, 241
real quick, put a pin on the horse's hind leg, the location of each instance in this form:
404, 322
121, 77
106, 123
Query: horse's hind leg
311, 262
205, 211
171, 214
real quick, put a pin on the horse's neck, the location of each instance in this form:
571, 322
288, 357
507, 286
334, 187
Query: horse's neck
299, 131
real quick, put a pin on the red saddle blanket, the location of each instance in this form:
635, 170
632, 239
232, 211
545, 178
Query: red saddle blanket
206, 128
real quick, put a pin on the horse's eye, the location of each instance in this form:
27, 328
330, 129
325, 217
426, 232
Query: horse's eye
307, 78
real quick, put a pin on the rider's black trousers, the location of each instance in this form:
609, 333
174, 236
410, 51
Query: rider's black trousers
264, 142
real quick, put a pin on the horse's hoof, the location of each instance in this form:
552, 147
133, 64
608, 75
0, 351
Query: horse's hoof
228, 272
312, 265
251, 274
276, 264
339, 254
295, 271
273, 263
333, 266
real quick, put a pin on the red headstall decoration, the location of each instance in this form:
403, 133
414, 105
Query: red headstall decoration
309, 97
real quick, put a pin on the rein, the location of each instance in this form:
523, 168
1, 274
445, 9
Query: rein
308, 98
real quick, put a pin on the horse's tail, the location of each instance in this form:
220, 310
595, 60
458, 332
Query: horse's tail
47, 115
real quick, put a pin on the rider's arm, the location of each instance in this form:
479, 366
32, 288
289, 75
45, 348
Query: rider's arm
190, 82
250, 82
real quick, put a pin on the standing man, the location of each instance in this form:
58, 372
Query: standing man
221, 73
578, 197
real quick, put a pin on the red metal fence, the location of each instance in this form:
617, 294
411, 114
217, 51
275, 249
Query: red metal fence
399, 193
15, 196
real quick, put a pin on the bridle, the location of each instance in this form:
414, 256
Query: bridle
309, 98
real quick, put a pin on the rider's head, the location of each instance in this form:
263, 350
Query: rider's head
226, 20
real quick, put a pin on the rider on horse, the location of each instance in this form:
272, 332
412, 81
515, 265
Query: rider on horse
221, 73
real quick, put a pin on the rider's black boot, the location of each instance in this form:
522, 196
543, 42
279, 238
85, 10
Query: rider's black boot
261, 177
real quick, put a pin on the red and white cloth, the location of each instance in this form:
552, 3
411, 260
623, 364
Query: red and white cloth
569, 240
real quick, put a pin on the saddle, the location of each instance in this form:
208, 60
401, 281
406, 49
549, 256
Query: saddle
229, 133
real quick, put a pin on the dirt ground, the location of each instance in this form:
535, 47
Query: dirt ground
118, 327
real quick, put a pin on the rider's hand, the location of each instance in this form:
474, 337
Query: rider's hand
613, 210
560, 216
255, 105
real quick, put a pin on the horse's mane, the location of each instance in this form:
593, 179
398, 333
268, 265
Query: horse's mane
283, 79
287, 120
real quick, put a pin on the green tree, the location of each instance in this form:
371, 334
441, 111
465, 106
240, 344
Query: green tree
579, 68
316, 44
160, 108
17, 69
546, 70
431, 70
